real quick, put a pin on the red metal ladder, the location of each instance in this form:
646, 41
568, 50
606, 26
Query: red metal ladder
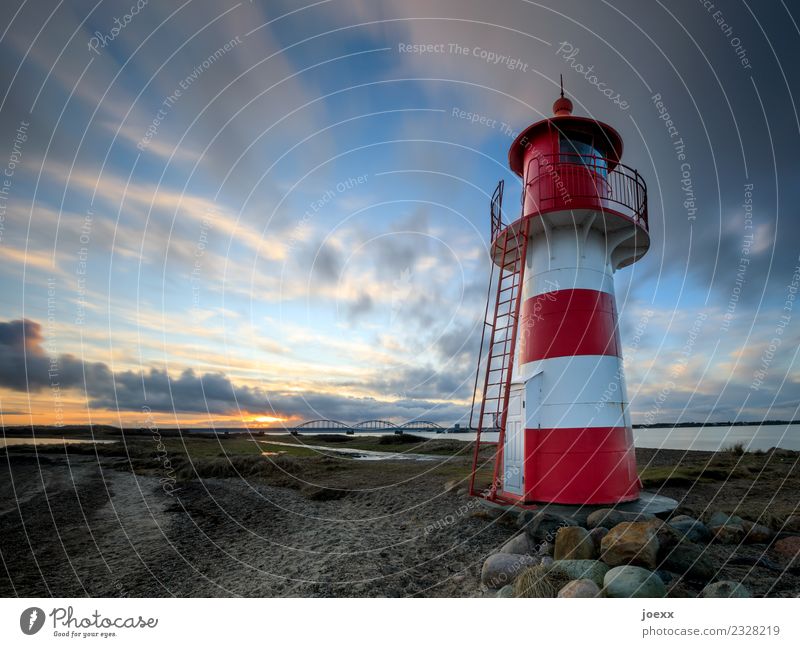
512, 247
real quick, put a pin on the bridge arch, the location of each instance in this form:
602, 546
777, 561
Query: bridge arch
375, 424
421, 425
324, 424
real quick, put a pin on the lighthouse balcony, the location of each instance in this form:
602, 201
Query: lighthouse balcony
573, 181
577, 190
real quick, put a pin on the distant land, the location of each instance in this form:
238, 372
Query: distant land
110, 429
745, 423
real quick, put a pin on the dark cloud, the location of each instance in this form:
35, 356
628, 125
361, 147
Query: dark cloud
327, 264
25, 366
361, 306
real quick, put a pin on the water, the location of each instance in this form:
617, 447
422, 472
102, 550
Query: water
363, 454
752, 437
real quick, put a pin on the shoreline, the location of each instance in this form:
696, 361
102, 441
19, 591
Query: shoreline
296, 523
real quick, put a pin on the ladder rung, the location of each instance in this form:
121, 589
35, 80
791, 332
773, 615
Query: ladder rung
500, 358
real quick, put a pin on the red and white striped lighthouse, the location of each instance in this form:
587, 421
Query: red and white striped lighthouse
553, 385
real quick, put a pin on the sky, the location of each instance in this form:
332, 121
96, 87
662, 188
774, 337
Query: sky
219, 213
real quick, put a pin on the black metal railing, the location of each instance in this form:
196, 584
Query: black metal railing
496, 210
571, 180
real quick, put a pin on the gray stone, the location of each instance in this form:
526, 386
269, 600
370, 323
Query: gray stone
610, 517
524, 518
691, 561
729, 533
633, 582
574, 542
791, 523
667, 535
580, 589
682, 517
755, 533
519, 545
723, 519
506, 592
543, 526
726, 528
500, 569
725, 589
691, 529
597, 535
581, 569
666, 576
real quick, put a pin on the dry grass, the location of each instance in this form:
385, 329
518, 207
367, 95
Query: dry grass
539, 582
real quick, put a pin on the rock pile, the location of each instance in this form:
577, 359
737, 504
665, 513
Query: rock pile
623, 554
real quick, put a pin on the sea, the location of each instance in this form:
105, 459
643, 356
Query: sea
752, 437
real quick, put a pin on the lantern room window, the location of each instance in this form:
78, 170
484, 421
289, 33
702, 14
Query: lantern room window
577, 149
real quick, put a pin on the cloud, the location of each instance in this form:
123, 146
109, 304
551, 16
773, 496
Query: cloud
26, 366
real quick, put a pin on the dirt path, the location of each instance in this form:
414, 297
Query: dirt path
75, 525
104, 532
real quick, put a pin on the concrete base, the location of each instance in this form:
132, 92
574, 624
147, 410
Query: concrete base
647, 502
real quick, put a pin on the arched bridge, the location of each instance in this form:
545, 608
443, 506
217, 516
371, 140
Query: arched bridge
336, 426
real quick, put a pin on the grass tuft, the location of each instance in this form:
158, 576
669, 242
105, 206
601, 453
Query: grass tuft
539, 582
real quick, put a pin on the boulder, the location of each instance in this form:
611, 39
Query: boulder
667, 535
725, 589
524, 518
691, 561
545, 548
597, 535
726, 528
581, 569
755, 533
790, 524
543, 526
667, 576
787, 548
691, 529
610, 517
633, 582
574, 542
728, 533
580, 589
723, 519
500, 569
519, 545
682, 517
631, 542
506, 592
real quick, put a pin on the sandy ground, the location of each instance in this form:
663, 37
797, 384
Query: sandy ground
104, 532
83, 525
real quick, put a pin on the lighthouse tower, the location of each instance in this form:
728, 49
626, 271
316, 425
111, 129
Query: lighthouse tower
553, 388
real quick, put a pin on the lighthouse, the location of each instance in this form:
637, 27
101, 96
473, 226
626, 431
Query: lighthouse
552, 390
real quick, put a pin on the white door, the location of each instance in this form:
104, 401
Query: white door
533, 398
514, 445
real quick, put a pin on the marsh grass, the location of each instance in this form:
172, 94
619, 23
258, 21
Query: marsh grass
539, 582
689, 475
